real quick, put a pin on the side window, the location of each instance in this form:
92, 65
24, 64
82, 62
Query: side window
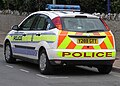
43, 23
50, 24
26, 25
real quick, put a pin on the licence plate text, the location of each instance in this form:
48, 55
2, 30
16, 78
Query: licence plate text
87, 41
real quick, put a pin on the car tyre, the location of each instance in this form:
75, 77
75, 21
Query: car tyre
44, 64
8, 54
105, 69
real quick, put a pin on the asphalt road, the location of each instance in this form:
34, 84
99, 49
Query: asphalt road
27, 74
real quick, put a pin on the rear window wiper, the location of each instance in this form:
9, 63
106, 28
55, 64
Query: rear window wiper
94, 31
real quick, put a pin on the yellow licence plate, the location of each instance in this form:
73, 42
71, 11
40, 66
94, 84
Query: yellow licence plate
87, 41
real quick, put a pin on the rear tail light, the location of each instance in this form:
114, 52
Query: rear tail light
57, 23
105, 24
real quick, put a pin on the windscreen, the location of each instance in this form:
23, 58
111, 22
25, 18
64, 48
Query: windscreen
82, 24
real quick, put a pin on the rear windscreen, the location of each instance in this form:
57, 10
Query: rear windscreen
82, 24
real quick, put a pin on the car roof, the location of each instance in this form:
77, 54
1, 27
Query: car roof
53, 14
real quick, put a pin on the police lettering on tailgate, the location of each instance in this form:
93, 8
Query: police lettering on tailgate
87, 54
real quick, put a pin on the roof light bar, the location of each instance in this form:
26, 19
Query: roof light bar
63, 7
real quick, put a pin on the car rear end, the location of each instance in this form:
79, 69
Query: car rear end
83, 39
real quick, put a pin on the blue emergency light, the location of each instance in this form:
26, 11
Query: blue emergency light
63, 7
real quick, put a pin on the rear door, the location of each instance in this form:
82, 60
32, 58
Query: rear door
42, 30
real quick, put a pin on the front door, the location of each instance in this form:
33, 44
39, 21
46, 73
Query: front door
22, 37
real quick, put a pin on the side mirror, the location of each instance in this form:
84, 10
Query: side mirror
15, 27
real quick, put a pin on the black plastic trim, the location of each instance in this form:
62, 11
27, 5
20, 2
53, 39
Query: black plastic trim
19, 46
26, 59
84, 62
75, 36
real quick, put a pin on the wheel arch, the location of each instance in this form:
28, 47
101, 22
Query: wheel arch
6, 41
42, 45
40, 49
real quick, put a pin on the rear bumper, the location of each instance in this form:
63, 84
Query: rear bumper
80, 55
83, 62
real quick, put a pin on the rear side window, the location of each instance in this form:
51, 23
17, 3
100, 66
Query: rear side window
43, 23
82, 24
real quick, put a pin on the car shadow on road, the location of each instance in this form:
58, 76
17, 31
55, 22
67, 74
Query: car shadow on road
62, 71
76, 71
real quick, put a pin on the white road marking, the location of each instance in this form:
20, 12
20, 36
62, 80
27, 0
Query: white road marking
117, 76
43, 76
24, 70
9, 66
116, 67
59, 77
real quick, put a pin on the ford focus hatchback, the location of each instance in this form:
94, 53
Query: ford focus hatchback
62, 36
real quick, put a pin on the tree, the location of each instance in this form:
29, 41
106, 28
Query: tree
61, 2
1, 4
89, 6
30, 5
115, 5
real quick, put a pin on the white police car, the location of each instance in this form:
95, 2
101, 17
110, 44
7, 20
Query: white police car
64, 37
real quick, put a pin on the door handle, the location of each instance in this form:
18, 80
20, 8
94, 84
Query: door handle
24, 34
38, 34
